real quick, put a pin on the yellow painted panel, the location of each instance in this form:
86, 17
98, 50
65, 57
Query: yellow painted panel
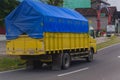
59, 43
77, 41
9, 46
40, 46
56, 42
25, 45
18, 45
82, 40
51, 42
72, 41
66, 41
30, 44
85, 41
47, 42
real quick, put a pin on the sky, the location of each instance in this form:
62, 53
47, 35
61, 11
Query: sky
115, 3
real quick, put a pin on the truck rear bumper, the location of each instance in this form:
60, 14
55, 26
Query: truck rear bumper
42, 58
19, 53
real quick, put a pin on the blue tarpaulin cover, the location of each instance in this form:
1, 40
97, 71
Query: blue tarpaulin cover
34, 18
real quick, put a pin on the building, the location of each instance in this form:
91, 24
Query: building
2, 30
117, 21
72, 4
91, 15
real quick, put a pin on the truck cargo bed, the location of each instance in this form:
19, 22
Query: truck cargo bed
25, 45
51, 43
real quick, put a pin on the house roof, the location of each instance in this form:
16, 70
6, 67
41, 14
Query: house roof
117, 14
99, 1
92, 12
112, 9
87, 11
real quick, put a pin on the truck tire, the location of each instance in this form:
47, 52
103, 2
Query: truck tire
90, 56
66, 61
56, 61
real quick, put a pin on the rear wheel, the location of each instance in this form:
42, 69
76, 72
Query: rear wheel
61, 61
56, 61
90, 56
66, 61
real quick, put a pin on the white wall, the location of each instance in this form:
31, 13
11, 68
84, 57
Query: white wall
93, 20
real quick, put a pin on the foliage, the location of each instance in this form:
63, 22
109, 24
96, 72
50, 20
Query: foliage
6, 6
55, 2
10, 63
112, 40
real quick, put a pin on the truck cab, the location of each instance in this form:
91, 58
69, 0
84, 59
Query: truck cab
92, 38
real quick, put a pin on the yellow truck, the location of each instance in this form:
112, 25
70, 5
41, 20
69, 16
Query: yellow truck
41, 33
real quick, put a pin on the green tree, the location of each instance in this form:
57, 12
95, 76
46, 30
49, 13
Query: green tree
6, 6
55, 2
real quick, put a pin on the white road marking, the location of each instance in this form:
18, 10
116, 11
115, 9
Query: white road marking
12, 70
83, 69
87, 67
58, 75
109, 46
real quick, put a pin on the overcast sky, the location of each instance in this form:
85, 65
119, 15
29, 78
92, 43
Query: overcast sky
115, 3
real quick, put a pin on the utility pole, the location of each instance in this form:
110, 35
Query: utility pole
97, 5
109, 16
98, 19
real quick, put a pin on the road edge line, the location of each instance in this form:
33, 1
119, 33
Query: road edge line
108, 47
12, 70
24, 68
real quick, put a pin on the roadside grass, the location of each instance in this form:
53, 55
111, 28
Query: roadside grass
110, 41
10, 62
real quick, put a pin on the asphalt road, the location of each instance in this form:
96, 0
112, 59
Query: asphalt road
106, 66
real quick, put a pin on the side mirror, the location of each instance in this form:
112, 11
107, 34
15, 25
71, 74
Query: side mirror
92, 33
